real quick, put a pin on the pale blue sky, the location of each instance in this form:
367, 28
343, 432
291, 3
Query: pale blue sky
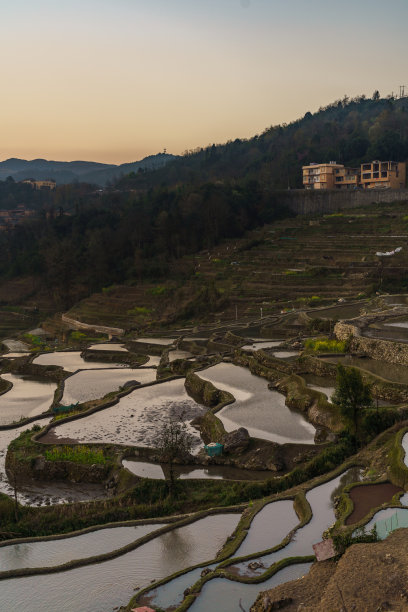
114, 80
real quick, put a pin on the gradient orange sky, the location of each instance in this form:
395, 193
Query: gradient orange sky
116, 80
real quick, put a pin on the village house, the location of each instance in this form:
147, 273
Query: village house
373, 175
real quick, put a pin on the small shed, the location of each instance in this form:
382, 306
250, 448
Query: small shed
142, 609
214, 449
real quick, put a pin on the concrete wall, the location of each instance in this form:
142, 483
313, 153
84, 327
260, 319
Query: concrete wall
304, 202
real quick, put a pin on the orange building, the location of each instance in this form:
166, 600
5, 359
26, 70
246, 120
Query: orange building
321, 176
374, 175
383, 175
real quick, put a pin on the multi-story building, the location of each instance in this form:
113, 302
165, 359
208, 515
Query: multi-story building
384, 175
347, 178
321, 176
374, 175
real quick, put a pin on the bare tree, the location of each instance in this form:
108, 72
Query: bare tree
173, 442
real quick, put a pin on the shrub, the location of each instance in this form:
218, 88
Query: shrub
77, 335
159, 290
140, 310
77, 454
325, 345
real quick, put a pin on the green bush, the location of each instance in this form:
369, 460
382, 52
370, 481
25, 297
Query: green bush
140, 310
77, 335
77, 454
325, 345
159, 290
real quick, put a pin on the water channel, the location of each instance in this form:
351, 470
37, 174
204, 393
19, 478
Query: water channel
262, 411
103, 586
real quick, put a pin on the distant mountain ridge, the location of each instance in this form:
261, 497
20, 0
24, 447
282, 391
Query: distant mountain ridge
82, 171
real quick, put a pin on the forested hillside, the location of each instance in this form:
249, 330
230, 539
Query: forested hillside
349, 131
135, 231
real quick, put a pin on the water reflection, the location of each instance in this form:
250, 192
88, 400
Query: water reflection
103, 586
72, 361
261, 411
321, 500
57, 552
92, 384
135, 419
146, 469
27, 398
228, 596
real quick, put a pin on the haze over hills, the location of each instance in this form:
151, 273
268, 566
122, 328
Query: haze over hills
77, 171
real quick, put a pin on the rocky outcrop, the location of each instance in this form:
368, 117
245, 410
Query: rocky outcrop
203, 390
129, 358
236, 441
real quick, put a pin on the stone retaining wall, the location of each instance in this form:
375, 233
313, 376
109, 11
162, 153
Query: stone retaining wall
100, 329
306, 202
381, 350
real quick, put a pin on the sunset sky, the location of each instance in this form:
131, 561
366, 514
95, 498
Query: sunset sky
116, 80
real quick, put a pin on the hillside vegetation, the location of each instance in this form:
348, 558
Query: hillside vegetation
350, 131
149, 230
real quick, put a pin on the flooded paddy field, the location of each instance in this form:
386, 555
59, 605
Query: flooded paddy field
103, 586
396, 330
157, 471
35, 492
345, 311
285, 354
230, 596
177, 354
324, 384
387, 520
265, 344
92, 384
161, 341
388, 371
28, 397
72, 361
56, 552
269, 527
262, 411
321, 500
15, 345
134, 420
171, 594
367, 497
405, 447
106, 346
